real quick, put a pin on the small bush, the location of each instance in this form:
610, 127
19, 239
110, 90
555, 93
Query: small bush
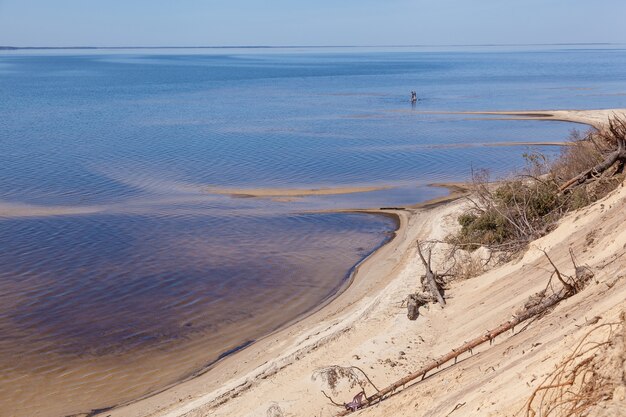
482, 228
507, 215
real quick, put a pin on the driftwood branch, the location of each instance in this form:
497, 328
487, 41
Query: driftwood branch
531, 311
430, 276
568, 287
413, 304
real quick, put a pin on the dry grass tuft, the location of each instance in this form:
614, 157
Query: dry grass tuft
336, 377
468, 267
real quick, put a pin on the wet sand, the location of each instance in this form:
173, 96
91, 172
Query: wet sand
503, 144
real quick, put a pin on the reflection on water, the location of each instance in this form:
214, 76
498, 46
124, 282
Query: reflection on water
120, 272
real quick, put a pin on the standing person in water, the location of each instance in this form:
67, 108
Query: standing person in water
413, 96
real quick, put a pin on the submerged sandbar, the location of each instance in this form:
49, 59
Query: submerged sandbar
292, 192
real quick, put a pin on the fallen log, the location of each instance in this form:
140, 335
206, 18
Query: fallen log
538, 308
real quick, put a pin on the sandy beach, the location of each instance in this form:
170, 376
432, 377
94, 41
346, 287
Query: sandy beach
366, 325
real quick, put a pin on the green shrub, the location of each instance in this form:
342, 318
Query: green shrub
511, 213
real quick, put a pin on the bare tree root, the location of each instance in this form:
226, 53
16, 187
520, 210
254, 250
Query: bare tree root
537, 305
575, 386
413, 304
432, 284
430, 278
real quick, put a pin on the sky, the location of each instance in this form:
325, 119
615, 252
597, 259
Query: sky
310, 22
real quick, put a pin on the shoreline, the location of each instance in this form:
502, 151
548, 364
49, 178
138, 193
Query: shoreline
344, 292
343, 286
330, 320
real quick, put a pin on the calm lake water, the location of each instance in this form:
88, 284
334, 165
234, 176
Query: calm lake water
129, 274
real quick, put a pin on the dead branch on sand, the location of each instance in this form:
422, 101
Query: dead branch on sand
332, 375
536, 306
431, 287
430, 278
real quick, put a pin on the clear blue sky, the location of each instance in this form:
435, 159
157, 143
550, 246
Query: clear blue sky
310, 22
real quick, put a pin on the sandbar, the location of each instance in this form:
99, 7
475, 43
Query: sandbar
292, 192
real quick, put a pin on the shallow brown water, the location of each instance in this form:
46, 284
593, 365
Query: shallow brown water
97, 310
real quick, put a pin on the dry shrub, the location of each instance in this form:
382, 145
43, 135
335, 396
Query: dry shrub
470, 269
467, 266
507, 215
339, 378
583, 153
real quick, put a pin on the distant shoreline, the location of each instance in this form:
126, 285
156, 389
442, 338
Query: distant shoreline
16, 48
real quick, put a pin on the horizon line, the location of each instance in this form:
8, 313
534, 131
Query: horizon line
9, 47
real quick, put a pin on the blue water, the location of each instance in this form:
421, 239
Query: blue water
95, 125
154, 262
